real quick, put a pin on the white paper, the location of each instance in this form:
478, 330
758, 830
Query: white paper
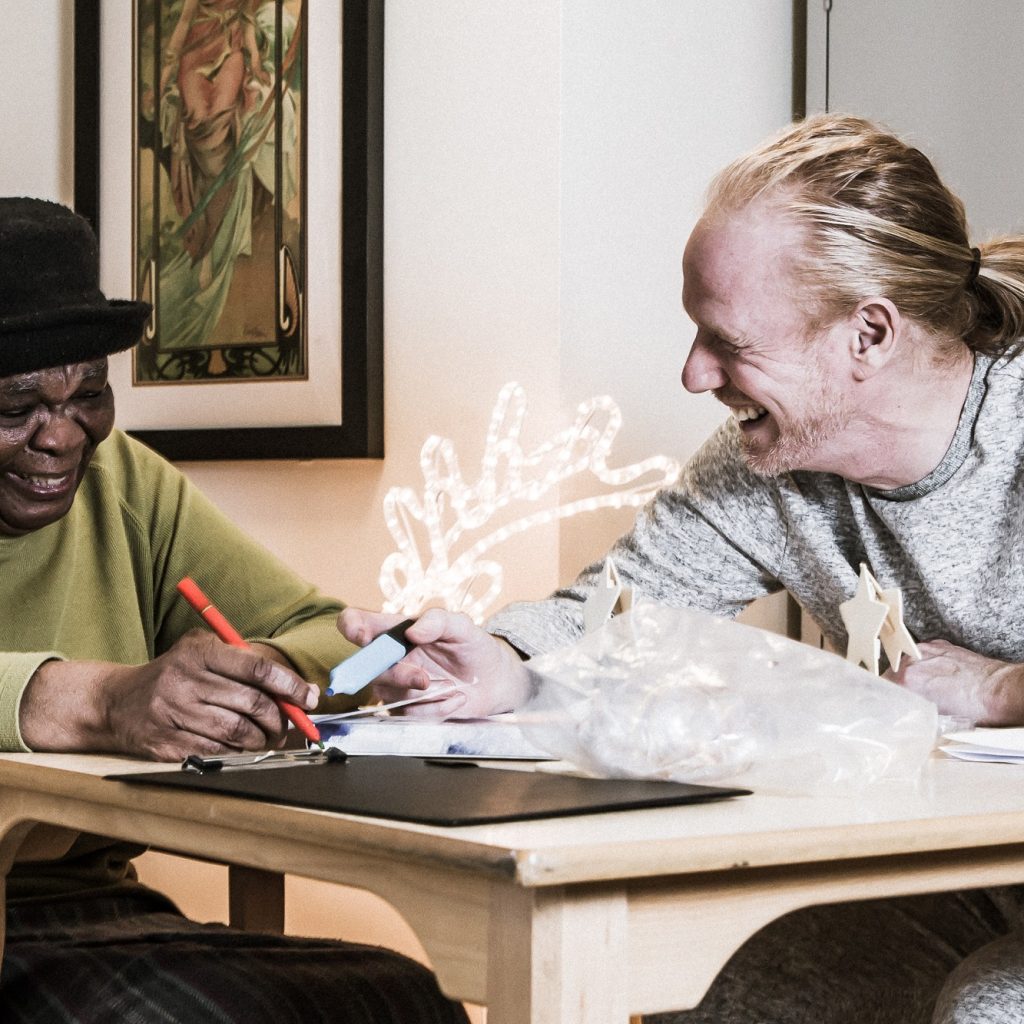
986, 744
494, 738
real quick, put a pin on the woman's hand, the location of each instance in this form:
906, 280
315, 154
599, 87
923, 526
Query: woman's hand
488, 673
200, 697
960, 682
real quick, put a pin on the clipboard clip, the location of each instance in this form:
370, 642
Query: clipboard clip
267, 759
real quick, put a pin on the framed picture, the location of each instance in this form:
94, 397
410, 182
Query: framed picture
231, 164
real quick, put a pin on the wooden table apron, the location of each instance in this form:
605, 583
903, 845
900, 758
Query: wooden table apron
581, 920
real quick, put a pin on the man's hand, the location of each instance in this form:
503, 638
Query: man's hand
201, 697
450, 649
960, 682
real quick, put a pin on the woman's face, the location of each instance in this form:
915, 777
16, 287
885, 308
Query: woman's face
50, 424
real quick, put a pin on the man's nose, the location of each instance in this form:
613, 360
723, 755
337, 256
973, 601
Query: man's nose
702, 371
58, 432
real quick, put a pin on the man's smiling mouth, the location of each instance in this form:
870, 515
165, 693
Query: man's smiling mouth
748, 413
44, 483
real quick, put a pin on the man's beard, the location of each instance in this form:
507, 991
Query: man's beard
800, 438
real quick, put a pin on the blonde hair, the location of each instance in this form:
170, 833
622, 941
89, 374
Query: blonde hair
879, 221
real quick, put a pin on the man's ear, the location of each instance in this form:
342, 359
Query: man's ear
877, 325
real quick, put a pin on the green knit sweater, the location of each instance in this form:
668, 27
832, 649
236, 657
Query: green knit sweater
100, 584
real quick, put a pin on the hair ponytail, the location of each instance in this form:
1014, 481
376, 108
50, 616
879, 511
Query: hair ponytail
997, 298
878, 220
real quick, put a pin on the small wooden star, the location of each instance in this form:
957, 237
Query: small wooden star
895, 637
610, 598
863, 616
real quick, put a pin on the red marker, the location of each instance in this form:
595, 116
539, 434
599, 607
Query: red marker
202, 604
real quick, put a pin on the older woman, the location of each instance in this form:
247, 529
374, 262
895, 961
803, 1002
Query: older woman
98, 653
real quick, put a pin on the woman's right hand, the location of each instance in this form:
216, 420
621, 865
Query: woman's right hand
200, 697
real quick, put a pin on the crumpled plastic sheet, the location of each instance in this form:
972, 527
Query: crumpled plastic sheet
677, 694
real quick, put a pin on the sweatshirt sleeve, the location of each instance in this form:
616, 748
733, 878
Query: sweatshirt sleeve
713, 541
16, 669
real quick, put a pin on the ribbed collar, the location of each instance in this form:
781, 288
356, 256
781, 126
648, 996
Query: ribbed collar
959, 447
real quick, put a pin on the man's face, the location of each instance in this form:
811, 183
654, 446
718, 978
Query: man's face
787, 391
50, 424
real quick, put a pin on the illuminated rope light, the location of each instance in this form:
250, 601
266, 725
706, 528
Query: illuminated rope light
451, 509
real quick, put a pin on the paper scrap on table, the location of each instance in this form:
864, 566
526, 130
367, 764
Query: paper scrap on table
1002, 745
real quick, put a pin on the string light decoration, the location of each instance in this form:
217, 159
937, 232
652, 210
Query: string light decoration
451, 510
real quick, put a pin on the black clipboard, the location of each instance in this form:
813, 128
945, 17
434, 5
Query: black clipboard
434, 792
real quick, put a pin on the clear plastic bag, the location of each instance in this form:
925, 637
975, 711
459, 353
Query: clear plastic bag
677, 694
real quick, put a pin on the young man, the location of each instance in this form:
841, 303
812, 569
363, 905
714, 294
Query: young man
98, 653
865, 348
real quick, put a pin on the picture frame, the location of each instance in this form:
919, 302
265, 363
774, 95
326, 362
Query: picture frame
338, 411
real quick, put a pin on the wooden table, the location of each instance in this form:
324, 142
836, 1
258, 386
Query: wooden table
581, 920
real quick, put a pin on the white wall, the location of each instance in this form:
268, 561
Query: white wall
948, 78
36, 89
544, 161
656, 97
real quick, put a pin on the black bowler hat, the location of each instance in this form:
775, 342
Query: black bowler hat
52, 311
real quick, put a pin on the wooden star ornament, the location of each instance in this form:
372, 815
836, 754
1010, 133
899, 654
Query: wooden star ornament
895, 637
610, 598
874, 619
863, 616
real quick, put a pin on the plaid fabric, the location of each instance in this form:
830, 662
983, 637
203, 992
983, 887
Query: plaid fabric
130, 957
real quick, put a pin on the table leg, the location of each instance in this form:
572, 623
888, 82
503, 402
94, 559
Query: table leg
558, 956
256, 899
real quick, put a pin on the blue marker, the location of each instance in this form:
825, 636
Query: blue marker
375, 658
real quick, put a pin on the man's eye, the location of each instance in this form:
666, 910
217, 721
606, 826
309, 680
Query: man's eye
16, 413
